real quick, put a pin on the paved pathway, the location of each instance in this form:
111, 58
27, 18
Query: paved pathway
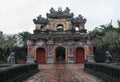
62, 73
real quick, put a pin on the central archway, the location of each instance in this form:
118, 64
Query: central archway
60, 55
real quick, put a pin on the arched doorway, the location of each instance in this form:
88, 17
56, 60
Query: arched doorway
60, 55
76, 28
80, 55
40, 56
60, 27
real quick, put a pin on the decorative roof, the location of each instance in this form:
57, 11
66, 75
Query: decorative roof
59, 14
40, 20
79, 20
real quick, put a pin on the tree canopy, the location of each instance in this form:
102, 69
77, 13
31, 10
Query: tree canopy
107, 39
9, 43
22, 37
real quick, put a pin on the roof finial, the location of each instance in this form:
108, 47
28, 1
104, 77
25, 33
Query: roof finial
59, 9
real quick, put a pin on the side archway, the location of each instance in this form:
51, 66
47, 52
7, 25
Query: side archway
40, 56
80, 55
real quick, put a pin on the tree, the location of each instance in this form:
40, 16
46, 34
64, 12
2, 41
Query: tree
11, 42
7, 44
2, 47
23, 36
21, 52
107, 39
118, 22
101, 31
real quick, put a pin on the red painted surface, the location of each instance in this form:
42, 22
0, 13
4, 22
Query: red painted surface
40, 56
80, 55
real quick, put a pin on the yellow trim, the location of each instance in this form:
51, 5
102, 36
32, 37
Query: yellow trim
35, 54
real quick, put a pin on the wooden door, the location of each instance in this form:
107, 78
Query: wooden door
80, 55
40, 56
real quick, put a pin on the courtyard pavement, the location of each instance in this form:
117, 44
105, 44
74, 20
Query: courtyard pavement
62, 73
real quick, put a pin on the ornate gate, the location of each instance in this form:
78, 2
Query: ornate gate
80, 55
40, 56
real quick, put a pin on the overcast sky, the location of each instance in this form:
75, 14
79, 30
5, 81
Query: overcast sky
17, 15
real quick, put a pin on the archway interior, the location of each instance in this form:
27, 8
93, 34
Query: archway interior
60, 55
60, 28
76, 28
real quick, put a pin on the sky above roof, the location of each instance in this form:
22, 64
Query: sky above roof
17, 15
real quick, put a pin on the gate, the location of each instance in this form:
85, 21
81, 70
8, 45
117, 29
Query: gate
40, 56
80, 55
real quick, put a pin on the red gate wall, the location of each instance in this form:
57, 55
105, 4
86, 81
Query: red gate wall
40, 56
80, 55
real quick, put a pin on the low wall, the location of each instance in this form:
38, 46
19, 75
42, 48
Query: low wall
4, 65
16, 73
107, 72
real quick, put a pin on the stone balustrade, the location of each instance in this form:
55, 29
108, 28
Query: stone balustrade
108, 72
17, 72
